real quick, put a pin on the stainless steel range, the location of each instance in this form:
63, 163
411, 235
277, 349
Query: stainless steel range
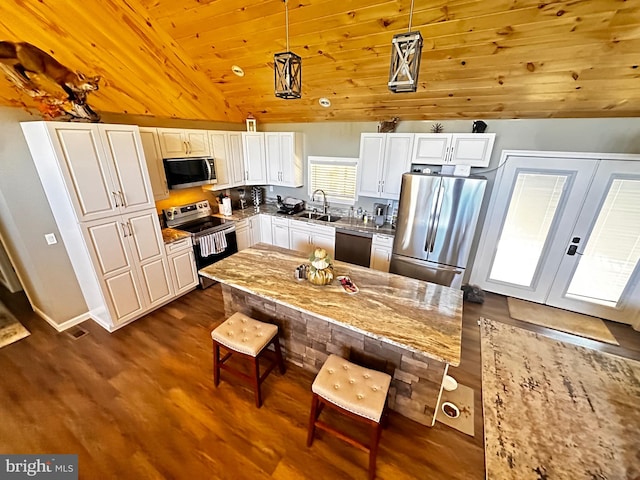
213, 238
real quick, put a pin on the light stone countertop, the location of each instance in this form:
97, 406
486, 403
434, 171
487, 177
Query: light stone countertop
344, 223
170, 235
421, 317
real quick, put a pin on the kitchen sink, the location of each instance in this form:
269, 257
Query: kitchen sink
329, 218
311, 215
319, 216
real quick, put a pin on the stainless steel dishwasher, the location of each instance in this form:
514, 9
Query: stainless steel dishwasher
353, 247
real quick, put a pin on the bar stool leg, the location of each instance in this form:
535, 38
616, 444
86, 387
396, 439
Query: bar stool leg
312, 419
373, 449
276, 344
256, 381
216, 363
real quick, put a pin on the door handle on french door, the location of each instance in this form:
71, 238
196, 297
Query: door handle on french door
572, 250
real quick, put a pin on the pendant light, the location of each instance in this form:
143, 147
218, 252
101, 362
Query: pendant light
406, 50
287, 68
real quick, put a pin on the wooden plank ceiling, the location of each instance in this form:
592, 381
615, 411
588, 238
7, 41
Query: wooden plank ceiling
481, 58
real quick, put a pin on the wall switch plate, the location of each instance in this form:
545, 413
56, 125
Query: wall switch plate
270, 188
51, 239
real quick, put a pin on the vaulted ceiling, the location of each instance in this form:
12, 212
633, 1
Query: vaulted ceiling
481, 58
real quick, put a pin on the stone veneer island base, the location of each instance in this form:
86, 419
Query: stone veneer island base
412, 328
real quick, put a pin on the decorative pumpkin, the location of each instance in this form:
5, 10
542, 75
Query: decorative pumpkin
321, 270
322, 276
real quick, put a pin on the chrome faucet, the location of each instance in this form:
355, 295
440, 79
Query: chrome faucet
325, 207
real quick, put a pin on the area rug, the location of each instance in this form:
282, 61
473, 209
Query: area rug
558, 319
553, 410
11, 330
462, 397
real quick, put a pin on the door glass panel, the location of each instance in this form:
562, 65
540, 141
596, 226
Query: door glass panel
613, 248
532, 208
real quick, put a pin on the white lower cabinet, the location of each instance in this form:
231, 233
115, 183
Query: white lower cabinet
182, 266
248, 232
305, 237
280, 232
265, 229
129, 257
381, 249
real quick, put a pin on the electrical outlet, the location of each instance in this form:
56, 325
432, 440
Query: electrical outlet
270, 188
51, 239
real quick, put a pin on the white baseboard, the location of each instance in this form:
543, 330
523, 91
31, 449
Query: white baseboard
60, 327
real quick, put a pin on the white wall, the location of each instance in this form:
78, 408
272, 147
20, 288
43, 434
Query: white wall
25, 217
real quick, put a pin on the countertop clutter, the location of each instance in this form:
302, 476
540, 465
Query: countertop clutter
344, 223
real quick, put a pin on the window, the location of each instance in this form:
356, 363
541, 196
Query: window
336, 176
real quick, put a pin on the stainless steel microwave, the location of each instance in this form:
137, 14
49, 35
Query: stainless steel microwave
189, 172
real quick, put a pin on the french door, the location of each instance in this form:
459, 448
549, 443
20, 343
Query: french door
565, 232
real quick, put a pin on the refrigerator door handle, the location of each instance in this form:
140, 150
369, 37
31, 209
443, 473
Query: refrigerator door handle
431, 232
445, 268
436, 221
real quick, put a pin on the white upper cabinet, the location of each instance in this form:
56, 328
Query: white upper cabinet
153, 156
473, 149
104, 167
237, 158
255, 167
284, 159
226, 148
178, 143
384, 157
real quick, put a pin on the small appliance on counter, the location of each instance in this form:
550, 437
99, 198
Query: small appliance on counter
290, 205
243, 198
379, 213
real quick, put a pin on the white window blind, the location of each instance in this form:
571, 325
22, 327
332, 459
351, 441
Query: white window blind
613, 249
336, 176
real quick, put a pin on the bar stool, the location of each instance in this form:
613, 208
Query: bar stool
354, 391
249, 339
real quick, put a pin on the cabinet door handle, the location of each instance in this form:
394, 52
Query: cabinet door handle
186, 148
130, 228
382, 189
246, 174
190, 148
115, 196
122, 199
124, 232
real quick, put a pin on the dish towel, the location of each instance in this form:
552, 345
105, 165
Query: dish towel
212, 244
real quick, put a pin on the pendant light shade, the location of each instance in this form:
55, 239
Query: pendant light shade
287, 67
288, 75
406, 51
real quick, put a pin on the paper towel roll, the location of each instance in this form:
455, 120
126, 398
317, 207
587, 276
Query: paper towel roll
226, 206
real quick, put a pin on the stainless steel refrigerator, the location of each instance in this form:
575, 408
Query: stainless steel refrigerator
437, 218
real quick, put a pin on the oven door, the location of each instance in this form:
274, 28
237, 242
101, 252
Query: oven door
201, 262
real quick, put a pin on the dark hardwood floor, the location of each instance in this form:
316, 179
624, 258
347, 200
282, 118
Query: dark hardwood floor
140, 403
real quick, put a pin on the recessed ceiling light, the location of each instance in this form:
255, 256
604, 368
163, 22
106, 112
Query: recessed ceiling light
237, 70
324, 102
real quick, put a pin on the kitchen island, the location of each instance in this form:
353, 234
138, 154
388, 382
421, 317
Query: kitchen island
413, 327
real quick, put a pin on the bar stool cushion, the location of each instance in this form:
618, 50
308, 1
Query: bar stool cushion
354, 388
244, 334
